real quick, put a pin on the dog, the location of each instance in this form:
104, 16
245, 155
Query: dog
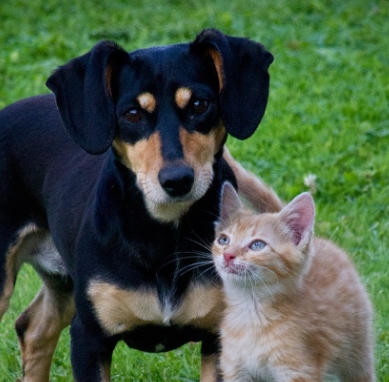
110, 188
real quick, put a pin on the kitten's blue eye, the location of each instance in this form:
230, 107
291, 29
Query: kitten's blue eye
257, 245
223, 240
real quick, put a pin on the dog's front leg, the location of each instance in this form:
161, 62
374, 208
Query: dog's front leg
209, 365
91, 353
210, 360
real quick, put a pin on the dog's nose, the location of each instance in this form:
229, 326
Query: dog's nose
176, 180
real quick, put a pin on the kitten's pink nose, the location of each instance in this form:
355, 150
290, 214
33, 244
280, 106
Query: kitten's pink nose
228, 257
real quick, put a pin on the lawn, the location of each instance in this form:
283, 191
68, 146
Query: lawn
328, 116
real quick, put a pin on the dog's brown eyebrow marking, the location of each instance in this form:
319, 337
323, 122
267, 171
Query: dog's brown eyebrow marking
182, 97
147, 102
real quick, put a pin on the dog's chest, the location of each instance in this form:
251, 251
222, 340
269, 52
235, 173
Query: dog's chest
120, 310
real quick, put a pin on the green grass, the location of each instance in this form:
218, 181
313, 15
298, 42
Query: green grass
328, 115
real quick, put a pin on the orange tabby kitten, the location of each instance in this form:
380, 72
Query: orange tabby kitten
296, 309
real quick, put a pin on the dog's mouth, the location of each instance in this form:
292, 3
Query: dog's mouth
169, 212
168, 201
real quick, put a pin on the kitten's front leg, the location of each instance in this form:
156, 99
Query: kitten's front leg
237, 371
291, 375
240, 378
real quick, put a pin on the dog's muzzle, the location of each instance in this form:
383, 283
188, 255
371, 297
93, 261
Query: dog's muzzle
176, 180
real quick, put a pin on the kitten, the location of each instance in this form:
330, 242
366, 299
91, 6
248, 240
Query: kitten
296, 309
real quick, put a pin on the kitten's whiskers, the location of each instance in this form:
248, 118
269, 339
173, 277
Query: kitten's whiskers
254, 288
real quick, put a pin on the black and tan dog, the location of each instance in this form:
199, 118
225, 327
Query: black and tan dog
110, 190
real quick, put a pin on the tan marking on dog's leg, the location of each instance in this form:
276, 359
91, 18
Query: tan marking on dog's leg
105, 371
14, 258
39, 328
10, 275
209, 368
147, 102
182, 97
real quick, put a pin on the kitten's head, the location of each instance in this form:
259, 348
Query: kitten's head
270, 249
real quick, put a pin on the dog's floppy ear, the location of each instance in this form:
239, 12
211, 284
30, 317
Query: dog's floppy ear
241, 66
83, 92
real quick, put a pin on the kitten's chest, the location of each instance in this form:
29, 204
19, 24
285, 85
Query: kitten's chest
254, 334
246, 351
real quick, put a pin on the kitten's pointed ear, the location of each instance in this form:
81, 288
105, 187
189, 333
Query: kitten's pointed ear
230, 203
299, 216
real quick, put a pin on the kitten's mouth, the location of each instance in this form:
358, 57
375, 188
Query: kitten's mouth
234, 269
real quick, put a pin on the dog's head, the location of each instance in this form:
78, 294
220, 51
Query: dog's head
165, 110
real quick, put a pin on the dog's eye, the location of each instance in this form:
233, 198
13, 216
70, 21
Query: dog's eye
223, 240
257, 245
133, 115
200, 106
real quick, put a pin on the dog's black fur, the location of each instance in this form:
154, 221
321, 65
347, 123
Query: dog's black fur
111, 189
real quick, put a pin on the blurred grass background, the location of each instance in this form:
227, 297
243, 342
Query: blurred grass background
327, 116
